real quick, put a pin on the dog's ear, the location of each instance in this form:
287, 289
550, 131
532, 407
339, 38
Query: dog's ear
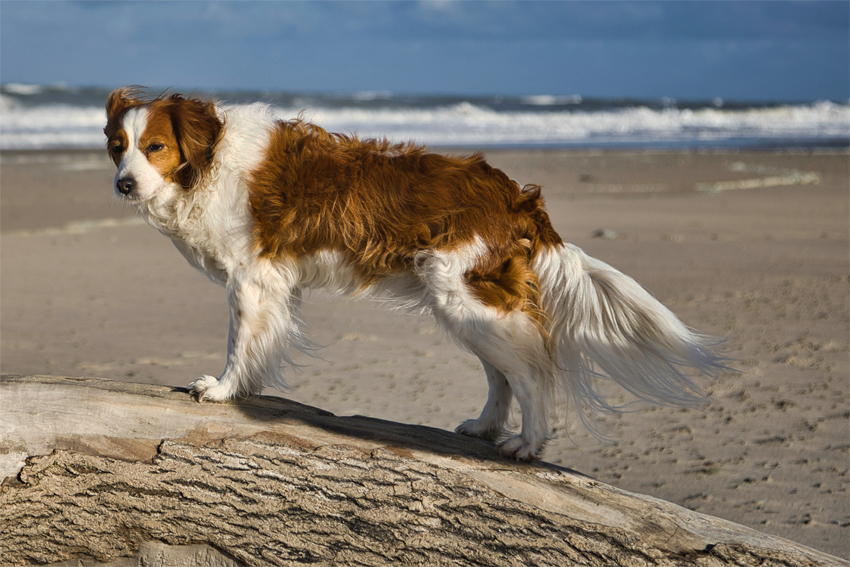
197, 128
121, 99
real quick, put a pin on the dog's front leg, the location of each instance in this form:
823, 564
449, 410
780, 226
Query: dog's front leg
260, 329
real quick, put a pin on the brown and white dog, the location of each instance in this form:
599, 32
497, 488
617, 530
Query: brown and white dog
267, 208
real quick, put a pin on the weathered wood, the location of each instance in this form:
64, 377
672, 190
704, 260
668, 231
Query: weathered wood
131, 474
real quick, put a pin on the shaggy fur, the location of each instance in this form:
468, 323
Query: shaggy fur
267, 208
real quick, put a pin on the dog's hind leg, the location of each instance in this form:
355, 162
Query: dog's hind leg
510, 343
490, 425
530, 391
515, 351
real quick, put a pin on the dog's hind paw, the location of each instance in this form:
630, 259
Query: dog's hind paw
209, 389
517, 448
475, 428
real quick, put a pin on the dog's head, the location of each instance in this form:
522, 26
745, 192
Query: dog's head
165, 142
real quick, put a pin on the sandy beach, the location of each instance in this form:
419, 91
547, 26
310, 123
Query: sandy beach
749, 246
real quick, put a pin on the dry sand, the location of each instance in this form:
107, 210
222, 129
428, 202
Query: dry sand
751, 246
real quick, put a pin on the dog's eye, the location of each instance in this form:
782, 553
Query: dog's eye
155, 147
117, 149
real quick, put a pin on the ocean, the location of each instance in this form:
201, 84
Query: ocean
62, 117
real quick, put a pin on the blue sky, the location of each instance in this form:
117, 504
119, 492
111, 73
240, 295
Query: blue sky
750, 50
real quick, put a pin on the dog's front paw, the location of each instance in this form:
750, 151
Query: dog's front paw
209, 389
478, 429
518, 448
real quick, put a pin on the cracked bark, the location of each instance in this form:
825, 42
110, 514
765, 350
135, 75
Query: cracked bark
130, 474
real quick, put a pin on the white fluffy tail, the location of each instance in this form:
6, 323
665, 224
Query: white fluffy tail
602, 321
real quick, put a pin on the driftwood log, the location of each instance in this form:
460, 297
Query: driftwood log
129, 474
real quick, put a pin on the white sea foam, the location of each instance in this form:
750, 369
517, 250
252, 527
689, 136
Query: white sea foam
23, 89
466, 124
50, 126
551, 100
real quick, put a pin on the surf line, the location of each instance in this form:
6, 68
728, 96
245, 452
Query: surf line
79, 227
779, 178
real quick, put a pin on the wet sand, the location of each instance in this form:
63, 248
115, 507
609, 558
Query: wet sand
750, 246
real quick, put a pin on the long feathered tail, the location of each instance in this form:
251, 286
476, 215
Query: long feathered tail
603, 322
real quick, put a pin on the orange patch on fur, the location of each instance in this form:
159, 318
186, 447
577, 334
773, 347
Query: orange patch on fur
379, 204
116, 145
117, 105
159, 143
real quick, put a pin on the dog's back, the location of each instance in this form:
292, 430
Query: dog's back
380, 204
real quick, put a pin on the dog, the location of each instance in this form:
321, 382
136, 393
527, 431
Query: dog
267, 208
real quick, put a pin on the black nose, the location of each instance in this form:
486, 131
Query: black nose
126, 185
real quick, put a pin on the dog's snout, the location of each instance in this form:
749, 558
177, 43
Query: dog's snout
125, 185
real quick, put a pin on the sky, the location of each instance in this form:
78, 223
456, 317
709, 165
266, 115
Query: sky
774, 50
